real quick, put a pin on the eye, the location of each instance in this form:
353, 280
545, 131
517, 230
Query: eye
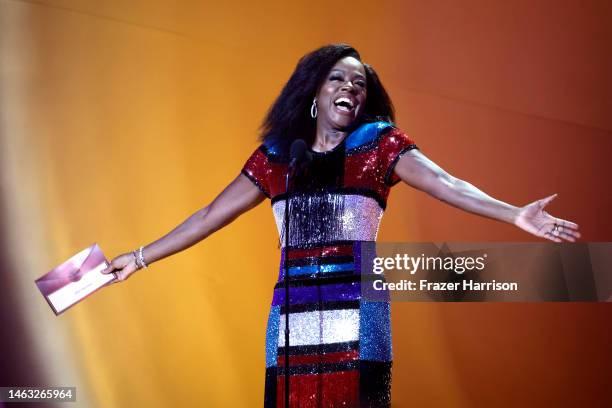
360, 83
335, 78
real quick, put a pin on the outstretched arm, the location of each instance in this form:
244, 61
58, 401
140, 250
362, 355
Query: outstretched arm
416, 170
238, 197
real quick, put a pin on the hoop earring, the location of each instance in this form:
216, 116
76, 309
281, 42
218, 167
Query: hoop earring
313, 109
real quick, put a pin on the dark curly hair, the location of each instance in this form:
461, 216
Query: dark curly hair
289, 116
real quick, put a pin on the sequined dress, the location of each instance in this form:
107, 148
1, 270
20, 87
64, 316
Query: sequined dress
340, 352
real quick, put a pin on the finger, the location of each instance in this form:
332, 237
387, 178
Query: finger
555, 231
545, 201
112, 281
574, 234
568, 224
124, 274
109, 268
115, 265
567, 237
551, 237
119, 276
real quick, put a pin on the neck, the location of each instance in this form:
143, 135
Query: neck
327, 138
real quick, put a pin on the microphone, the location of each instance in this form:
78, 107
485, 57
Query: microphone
299, 154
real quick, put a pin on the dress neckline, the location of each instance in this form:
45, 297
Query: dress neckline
336, 147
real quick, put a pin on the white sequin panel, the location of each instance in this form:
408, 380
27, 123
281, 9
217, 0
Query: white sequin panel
349, 217
320, 327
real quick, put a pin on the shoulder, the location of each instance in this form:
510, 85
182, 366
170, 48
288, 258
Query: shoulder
275, 151
369, 135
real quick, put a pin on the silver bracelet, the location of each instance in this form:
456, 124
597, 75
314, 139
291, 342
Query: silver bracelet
136, 260
141, 258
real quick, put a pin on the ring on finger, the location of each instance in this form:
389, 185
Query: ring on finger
552, 237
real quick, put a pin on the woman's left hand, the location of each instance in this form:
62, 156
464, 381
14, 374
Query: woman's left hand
533, 219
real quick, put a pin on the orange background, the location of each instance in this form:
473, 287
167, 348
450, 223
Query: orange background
120, 119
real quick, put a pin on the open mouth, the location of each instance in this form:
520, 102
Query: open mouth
344, 104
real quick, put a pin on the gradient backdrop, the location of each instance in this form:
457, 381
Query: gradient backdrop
120, 119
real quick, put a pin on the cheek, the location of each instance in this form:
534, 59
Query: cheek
362, 103
326, 92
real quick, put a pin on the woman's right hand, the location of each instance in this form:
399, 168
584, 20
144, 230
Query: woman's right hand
122, 266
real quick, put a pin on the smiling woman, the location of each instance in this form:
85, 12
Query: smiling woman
341, 98
340, 351
332, 89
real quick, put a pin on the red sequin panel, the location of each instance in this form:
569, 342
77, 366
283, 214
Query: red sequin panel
337, 357
338, 250
330, 390
278, 175
368, 169
390, 146
270, 177
259, 171
362, 171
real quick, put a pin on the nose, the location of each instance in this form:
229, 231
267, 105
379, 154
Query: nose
347, 87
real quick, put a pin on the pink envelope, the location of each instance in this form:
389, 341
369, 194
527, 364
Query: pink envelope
75, 279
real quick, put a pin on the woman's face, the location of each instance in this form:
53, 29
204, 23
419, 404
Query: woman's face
341, 97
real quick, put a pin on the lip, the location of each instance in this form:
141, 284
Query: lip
343, 112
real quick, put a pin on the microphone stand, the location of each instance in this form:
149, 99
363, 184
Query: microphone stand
298, 157
290, 174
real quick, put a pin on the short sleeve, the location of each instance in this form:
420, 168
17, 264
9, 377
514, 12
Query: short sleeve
257, 169
393, 144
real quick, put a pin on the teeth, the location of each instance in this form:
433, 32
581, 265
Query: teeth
345, 100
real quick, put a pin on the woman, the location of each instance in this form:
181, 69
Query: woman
340, 345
